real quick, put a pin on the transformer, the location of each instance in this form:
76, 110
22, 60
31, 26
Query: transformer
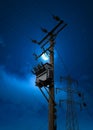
44, 74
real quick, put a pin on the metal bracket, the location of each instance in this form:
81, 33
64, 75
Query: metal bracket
44, 94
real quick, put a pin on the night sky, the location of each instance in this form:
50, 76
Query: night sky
22, 106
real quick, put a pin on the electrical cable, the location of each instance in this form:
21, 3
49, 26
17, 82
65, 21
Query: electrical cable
43, 105
62, 61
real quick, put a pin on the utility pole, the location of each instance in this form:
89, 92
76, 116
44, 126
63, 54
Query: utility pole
45, 73
52, 116
71, 114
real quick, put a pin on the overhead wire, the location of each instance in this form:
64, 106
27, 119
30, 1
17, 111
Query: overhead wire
67, 71
62, 61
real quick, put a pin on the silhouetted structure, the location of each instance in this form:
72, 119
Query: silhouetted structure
45, 77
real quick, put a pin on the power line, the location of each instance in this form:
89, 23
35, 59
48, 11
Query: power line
62, 61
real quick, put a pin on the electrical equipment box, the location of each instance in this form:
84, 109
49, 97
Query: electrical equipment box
44, 74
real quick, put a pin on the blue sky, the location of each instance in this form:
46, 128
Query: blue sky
22, 106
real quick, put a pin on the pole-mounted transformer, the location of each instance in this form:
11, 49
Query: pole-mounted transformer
44, 74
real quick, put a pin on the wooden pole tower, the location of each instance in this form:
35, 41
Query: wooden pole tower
41, 71
52, 114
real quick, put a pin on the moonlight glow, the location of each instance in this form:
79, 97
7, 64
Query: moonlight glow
45, 57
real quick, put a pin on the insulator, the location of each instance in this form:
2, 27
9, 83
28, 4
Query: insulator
34, 41
32, 71
56, 18
44, 30
79, 94
39, 66
35, 69
84, 104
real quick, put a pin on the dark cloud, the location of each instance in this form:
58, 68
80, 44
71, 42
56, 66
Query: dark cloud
17, 98
22, 106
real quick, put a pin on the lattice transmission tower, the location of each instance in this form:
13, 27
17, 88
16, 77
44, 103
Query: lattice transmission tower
71, 114
71, 102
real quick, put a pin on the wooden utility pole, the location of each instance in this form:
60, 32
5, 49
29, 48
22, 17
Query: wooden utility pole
41, 81
52, 120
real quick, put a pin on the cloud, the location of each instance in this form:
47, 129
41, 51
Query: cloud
19, 90
20, 101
